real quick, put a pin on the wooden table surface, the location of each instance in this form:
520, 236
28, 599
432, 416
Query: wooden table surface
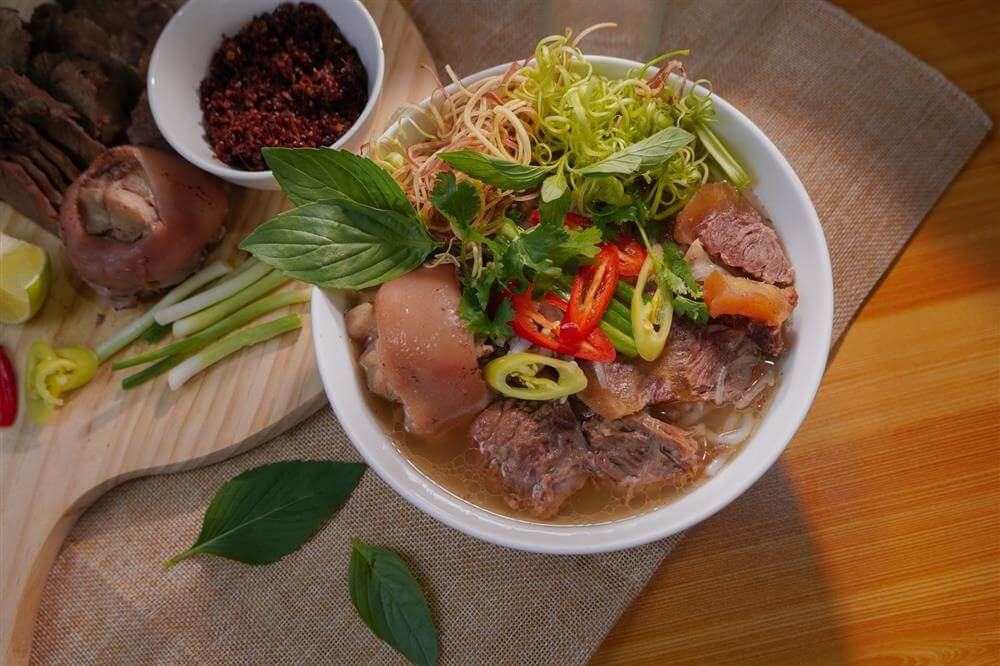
877, 535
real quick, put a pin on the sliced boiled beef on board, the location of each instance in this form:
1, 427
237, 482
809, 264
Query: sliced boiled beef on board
536, 452
56, 120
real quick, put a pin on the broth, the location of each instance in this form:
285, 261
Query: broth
454, 463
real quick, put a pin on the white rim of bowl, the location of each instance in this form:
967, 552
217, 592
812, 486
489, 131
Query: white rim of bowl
214, 165
567, 539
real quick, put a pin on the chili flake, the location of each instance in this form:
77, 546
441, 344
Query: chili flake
288, 78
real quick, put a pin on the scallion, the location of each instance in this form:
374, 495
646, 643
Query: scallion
200, 320
235, 342
258, 308
736, 174
122, 338
213, 295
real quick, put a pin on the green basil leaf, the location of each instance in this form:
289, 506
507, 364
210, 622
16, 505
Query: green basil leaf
456, 201
641, 156
553, 187
389, 600
505, 174
340, 244
309, 175
268, 512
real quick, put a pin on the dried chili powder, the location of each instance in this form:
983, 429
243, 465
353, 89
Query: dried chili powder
288, 78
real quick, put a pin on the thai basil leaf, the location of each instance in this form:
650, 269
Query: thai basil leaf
641, 156
268, 512
341, 244
309, 175
389, 600
505, 174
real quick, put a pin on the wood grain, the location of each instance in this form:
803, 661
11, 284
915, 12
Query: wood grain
103, 435
876, 538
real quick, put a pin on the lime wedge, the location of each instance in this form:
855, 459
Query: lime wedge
25, 276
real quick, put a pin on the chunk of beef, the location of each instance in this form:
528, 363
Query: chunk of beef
640, 453
730, 228
624, 386
710, 362
15, 41
535, 450
421, 354
23, 99
716, 363
84, 85
20, 191
769, 338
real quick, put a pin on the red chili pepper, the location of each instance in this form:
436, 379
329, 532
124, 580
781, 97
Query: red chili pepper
573, 221
8, 391
592, 290
534, 326
631, 255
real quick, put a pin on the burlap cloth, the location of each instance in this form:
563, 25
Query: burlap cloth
875, 135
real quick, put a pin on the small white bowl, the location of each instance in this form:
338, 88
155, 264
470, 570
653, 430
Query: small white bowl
180, 61
802, 366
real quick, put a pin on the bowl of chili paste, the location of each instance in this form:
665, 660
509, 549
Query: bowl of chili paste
229, 77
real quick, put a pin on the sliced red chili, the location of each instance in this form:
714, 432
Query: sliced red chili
537, 328
631, 255
592, 290
8, 390
532, 325
573, 221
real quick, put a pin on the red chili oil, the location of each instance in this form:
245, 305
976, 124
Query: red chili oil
288, 78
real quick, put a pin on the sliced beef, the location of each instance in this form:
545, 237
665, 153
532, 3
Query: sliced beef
86, 86
76, 35
535, 450
142, 129
20, 191
640, 453
23, 99
15, 41
711, 362
421, 354
732, 230
19, 136
37, 175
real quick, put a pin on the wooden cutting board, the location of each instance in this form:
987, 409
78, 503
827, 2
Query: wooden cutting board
104, 435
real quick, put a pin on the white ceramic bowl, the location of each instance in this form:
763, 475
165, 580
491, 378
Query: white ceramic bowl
802, 367
180, 61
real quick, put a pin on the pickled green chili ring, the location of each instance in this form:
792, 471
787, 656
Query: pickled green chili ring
651, 318
524, 369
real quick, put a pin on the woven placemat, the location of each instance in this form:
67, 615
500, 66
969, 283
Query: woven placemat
874, 134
